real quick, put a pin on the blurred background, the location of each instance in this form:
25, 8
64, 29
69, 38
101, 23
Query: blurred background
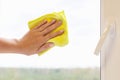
75, 61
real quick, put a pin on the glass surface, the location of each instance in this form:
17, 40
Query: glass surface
83, 18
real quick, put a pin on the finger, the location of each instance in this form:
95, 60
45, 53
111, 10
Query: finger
40, 24
51, 28
53, 35
47, 25
46, 46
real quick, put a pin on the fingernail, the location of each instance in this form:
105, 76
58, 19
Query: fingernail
45, 20
52, 45
61, 31
53, 20
59, 21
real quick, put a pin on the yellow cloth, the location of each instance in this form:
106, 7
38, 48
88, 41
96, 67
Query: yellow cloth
61, 40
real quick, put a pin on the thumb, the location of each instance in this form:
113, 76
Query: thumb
45, 47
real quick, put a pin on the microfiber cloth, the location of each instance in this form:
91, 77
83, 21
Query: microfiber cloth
61, 40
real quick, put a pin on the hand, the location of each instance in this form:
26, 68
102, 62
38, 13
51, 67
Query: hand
35, 40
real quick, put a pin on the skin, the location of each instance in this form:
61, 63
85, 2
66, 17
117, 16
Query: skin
34, 41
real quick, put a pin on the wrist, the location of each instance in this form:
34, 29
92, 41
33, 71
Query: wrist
17, 46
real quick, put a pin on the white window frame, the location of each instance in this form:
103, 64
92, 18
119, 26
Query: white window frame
109, 43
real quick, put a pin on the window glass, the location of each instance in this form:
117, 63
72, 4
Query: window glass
83, 18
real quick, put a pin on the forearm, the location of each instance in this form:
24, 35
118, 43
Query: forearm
8, 46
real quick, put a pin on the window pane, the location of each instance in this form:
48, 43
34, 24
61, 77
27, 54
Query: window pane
83, 18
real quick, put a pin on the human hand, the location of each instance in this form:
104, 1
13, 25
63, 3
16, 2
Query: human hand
35, 40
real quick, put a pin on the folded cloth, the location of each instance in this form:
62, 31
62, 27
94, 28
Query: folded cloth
61, 40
